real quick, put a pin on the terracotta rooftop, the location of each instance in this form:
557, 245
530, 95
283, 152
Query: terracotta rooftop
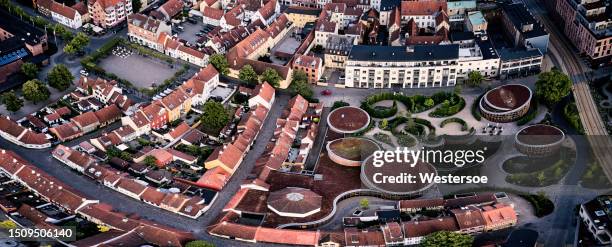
348, 119
423, 228
468, 217
293, 200
423, 7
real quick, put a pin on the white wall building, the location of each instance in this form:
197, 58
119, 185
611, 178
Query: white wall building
413, 67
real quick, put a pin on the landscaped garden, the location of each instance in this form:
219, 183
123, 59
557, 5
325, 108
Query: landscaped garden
539, 172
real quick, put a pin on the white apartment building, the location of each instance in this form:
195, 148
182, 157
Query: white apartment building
420, 66
481, 57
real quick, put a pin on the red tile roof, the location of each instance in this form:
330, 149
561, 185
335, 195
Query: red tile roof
426, 227
213, 13
85, 119
178, 131
108, 114
469, 217
423, 7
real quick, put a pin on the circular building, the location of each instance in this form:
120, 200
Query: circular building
348, 120
351, 151
294, 202
506, 103
539, 140
392, 178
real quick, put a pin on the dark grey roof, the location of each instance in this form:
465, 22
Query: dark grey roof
519, 16
303, 11
515, 54
460, 36
19, 28
400, 53
487, 49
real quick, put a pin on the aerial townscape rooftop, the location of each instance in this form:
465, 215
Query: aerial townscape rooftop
306, 123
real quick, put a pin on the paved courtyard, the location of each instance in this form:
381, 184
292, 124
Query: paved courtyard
141, 71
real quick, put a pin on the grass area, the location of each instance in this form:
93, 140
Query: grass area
595, 178
353, 148
384, 138
542, 205
546, 176
451, 102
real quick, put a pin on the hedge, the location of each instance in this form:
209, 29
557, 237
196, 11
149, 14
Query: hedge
464, 125
447, 110
541, 204
476, 109
570, 113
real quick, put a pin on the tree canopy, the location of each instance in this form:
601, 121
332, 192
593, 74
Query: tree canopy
446, 238
34, 90
271, 76
11, 101
77, 44
299, 85
474, 78
215, 116
136, 5
552, 86
30, 70
220, 63
248, 74
60, 77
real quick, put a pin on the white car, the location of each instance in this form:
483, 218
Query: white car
84, 72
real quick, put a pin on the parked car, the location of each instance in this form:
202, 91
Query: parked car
342, 77
326, 92
84, 72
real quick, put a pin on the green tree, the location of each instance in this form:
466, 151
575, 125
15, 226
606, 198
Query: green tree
150, 161
302, 88
11, 101
446, 238
248, 74
384, 123
215, 116
474, 78
364, 203
60, 31
136, 5
299, 76
552, 86
271, 76
80, 41
220, 63
34, 90
199, 243
60, 77
30, 70
70, 49
429, 102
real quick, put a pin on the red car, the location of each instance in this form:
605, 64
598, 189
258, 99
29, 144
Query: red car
326, 92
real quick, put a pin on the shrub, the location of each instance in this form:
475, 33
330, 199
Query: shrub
541, 204
384, 138
570, 113
464, 125
475, 108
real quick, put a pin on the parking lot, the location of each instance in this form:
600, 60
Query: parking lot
191, 30
142, 72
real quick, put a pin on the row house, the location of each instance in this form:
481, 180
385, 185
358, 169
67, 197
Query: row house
424, 13
109, 13
311, 66
65, 15
15, 133
173, 48
146, 31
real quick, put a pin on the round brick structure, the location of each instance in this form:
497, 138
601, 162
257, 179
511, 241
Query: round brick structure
506, 103
396, 168
539, 140
348, 120
351, 151
294, 202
